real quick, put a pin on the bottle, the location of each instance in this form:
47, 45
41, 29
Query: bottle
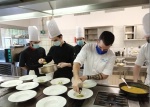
123, 52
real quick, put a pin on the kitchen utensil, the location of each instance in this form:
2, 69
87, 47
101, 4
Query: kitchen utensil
49, 68
80, 90
135, 84
125, 82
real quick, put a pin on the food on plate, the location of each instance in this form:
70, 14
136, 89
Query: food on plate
134, 90
41, 80
60, 82
79, 95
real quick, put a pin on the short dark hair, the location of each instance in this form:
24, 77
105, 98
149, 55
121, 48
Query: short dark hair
107, 38
59, 36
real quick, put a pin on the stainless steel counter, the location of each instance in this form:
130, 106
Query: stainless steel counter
110, 89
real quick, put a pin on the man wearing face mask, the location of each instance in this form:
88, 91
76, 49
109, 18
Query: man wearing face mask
98, 61
144, 54
80, 41
29, 57
61, 53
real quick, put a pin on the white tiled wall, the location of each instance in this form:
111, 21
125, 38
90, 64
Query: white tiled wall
68, 23
45, 43
130, 16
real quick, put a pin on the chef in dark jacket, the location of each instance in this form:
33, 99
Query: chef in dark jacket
79, 40
29, 57
61, 53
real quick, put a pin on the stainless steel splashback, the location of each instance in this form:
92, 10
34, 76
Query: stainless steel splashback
15, 53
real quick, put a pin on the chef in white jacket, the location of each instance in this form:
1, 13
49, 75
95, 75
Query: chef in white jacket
144, 54
98, 61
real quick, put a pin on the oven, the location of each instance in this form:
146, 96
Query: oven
11, 55
2, 55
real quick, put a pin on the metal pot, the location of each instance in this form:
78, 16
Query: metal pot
48, 68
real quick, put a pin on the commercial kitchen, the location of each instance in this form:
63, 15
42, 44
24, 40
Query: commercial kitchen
23, 22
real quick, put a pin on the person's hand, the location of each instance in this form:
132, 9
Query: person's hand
41, 61
62, 64
83, 78
75, 84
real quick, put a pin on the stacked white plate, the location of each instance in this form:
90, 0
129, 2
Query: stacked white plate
52, 101
22, 96
11, 83
55, 90
27, 86
27, 77
60, 81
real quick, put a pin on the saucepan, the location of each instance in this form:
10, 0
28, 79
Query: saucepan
137, 89
49, 68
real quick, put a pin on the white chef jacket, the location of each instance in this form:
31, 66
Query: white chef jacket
144, 55
95, 63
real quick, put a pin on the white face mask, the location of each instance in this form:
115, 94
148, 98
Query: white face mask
57, 43
35, 46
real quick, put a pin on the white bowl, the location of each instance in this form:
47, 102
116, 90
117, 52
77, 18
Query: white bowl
27, 86
22, 96
42, 79
11, 83
55, 90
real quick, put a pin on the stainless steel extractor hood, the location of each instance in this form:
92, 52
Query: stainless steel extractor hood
24, 9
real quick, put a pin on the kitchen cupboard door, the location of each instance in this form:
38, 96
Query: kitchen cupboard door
139, 32
129, 32
104, 28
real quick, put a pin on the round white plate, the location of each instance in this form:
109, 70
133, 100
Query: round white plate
60, 81
22, 96
27, 86
55, 90
52, 101
42, 79
27, 77
89, 83
11, 83
87, 93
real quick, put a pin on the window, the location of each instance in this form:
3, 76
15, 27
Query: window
10, 36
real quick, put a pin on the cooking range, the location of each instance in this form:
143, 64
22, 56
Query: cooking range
110, 99
110, 96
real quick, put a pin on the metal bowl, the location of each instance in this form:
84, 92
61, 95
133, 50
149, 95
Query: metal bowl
48, 68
